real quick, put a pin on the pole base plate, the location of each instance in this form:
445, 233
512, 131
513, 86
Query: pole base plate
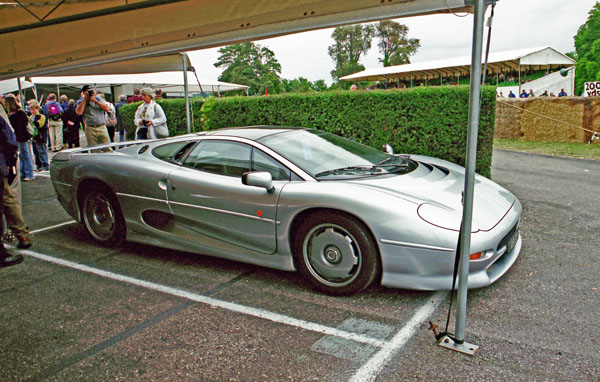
465, 348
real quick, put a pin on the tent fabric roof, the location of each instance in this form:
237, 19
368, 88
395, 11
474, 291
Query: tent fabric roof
168, 81
531, 58
104, 31
12, 85
150, 64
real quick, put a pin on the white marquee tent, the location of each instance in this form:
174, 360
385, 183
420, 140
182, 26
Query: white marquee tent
171, 83
520, 60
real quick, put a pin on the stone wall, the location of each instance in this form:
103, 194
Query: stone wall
541, 118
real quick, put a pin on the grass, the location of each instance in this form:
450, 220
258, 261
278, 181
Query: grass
575, 150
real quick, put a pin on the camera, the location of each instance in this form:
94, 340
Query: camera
90, 92
144, 122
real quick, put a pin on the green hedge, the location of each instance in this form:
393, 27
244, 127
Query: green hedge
429, 121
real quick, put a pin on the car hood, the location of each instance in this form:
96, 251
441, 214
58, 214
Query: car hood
437, 186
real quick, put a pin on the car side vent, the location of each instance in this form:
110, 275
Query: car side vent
442, 169
143, 149
429, 167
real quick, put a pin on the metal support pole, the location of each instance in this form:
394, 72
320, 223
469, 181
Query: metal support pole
185, 91
474, 110
21, 97
465, 235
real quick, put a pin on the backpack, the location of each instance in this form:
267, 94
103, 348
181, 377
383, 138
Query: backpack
110, 116
54, 111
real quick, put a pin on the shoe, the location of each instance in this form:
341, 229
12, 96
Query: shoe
11, 260
24, 243
8, 237
28, 179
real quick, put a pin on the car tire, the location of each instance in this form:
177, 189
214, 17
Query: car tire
102, 217
335, 253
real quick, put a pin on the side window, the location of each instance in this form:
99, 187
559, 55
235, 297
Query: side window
263, 162
220, 157
172, 152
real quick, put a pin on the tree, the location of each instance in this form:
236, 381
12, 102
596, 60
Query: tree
250, 64
297, 85
350, 42
587, 47
394, 44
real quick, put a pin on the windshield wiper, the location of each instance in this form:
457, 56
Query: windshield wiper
344, 169
405, 160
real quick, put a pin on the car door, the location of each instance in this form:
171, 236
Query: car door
207, 195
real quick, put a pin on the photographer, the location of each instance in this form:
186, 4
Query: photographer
92, 108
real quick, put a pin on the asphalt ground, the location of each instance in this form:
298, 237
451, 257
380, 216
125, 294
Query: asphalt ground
75, 311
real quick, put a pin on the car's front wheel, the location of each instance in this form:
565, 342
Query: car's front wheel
335, 253
102, 217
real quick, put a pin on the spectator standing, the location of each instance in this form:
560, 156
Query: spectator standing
562, 93
19, 121
64, 102
40, 141
136, 97
158, 94
150, 119
544, 94
8, 155
110, 117
530, 93
53, 112
523, 94
11, 201
73, 121
511, 94
92, 108
120, 127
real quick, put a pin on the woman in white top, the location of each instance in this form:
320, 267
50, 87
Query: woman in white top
150, 119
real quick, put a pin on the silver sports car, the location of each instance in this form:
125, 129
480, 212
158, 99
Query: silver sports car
343, 214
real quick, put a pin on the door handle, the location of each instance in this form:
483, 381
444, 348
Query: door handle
163, 184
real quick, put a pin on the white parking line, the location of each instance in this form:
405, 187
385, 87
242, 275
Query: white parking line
52, 227
370, 370
255, 312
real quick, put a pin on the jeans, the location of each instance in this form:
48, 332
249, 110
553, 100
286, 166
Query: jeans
25, 158
122, 136
41, 155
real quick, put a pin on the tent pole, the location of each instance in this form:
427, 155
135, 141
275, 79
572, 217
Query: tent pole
185, 91
21, 97
458, 342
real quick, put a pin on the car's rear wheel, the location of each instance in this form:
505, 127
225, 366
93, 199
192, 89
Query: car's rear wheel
102, 217
335, 253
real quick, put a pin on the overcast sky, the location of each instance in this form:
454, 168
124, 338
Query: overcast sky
517, 24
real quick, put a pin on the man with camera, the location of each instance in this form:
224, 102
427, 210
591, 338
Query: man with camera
92, 108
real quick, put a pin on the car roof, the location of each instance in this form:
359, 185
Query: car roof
253, 132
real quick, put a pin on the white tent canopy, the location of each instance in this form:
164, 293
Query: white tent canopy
106, 31
499, 62
12, 85
110, 30
169, 82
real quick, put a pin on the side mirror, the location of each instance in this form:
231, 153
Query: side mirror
388, 149
259, 179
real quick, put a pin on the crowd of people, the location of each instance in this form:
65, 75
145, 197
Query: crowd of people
28, 131
527, 94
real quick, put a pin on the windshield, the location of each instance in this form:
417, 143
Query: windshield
326, 155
